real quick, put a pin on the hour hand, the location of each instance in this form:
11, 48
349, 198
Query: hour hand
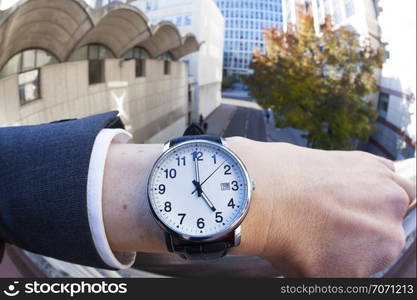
200, 193
198, 188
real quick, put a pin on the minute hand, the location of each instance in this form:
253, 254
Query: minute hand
209, 176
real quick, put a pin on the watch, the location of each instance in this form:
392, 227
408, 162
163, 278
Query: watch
199, 192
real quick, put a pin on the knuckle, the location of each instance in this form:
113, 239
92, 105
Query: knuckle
397, 200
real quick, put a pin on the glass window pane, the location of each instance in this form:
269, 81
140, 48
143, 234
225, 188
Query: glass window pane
143, 54
167, 67
28, 61
11, 67
93, 52
140, 67
104, 53
383, 103
95, 71
79, 54
29, 88
44, 58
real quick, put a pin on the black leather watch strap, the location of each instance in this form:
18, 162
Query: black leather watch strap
181, 139
198, 251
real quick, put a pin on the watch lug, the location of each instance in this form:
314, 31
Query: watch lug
236, 240
167, 145
223, 141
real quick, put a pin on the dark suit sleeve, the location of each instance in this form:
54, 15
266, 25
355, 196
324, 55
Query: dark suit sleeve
43, 187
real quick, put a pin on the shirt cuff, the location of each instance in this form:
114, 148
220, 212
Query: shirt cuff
117, 260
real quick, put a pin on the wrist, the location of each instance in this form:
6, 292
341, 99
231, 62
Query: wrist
128, 221
258, 225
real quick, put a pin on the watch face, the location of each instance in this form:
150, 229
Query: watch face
199, 189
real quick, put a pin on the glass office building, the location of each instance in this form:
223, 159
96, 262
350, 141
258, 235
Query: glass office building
244, 23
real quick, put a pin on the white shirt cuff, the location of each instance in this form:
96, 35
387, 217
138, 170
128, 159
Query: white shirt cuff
117, 260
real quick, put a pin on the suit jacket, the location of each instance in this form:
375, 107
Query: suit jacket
43, 187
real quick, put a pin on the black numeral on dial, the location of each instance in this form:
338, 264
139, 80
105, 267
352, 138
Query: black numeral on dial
231, 203
227, 170
171, 173
200, 223
161, 189
214, 158
180, 160
197, 155
182, 216
235, 186
219, 217
167, 206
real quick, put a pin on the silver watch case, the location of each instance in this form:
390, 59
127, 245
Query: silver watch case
235, 227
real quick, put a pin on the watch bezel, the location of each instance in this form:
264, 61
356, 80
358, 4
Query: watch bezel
218, 235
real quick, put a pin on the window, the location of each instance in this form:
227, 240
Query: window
166, 57
29, 86
27, 60
140, 55
383, 104
95, 71
27, 65
140, 67
95, 54
167, 67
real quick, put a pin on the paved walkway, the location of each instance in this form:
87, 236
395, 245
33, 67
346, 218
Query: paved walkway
219, 119
286, 135
236, 117
246, 118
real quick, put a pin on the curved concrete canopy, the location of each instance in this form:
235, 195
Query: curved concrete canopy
189, 45
61, 26
120, 28
164, 38
55, 26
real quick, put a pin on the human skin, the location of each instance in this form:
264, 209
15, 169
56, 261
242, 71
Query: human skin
313, 213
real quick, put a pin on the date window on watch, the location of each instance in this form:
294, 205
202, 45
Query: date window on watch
225, 186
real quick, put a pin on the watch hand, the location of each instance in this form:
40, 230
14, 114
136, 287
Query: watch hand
209, 203
200, 193
196, 182
198, 188
197, 173
209, 176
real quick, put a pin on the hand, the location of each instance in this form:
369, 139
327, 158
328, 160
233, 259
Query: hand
197, 175
208, 177
322, 213
313, 213
200, 193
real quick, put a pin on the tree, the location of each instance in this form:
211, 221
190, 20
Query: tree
317, 83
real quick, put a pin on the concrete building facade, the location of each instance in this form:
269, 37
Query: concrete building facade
203, 19
245, 21
396, 134
63, 59
379, 22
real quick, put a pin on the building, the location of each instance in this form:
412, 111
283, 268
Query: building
65, 59
395, 137
244, 21
203, 19
360, 15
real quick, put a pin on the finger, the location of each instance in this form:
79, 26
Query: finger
407, 185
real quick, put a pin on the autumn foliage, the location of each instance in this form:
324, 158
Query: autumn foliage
318, 82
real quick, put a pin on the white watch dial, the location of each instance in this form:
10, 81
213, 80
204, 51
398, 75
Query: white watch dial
199, 189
